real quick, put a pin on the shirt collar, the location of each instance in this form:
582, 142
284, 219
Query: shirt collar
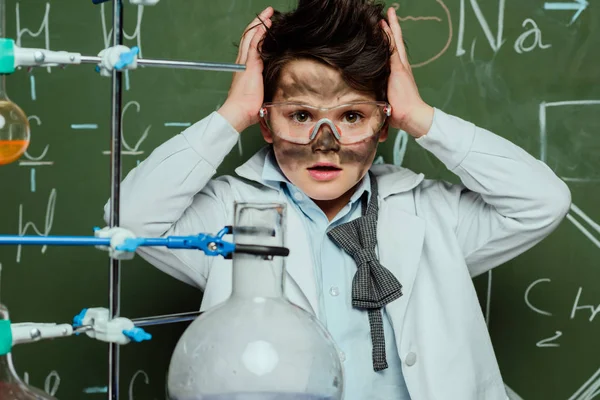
271, 172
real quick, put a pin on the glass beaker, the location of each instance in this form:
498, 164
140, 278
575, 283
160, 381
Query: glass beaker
256, 345
11, 386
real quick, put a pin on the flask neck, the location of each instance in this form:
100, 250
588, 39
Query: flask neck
2, 18
256, 277
258, 224
3, 95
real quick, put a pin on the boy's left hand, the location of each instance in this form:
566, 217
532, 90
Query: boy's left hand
409, 112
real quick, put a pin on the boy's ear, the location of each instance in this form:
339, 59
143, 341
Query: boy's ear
266, 133
384, 132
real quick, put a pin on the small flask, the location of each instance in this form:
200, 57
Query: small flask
14, 125
256, 345
11, 386
14, 128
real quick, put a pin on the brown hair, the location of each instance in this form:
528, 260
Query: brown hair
344, 34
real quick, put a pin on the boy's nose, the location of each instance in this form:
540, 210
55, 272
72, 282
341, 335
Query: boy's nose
325, 140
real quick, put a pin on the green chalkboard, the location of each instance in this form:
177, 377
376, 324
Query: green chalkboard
525, 72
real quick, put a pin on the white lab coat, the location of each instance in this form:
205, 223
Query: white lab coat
433, 236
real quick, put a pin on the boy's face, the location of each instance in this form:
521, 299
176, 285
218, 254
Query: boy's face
323, 169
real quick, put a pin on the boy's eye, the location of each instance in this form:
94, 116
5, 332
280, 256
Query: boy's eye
351, 117
301, 116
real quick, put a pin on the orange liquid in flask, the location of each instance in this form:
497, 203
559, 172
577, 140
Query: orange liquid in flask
11, 150
14, 132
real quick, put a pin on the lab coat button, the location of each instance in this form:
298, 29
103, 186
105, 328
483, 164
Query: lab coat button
298, 196
411, 359
342, 356
334, 291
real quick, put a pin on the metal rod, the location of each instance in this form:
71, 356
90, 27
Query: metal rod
166, 319
151, 321
54, 240
146, 62
114, 295
82, 329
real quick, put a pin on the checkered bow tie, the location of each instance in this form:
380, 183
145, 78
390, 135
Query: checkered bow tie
373, 285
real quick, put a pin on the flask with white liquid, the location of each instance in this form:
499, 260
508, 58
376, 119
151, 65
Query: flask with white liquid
256, 345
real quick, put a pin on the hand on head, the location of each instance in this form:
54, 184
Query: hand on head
409, 111
245, 95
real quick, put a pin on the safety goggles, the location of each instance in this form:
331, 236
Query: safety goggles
349, 123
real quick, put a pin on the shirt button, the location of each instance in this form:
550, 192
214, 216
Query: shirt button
342, 356
298, 196
411, 359
334, 291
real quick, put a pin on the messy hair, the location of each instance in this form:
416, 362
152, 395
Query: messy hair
344, 34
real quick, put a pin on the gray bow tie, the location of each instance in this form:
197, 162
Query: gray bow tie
373, 285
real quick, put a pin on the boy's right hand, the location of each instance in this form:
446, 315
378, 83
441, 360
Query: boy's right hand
247, 89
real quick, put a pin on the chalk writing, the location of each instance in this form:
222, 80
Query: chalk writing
23, 229
547, 342
84, 126
495, 43
550, 342
592, 225
137, 33
52, 383
434, 19
593, 309
133, 379
576, 5
488, 299
178, 124
95, 389
39, 160
529, 288
589, 390
131, 151
45, 27
537, 38
400, 145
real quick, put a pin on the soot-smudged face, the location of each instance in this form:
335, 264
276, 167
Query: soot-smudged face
323, 169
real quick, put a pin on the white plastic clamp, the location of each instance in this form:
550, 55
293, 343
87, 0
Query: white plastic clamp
117, 57
117, 237
110, 330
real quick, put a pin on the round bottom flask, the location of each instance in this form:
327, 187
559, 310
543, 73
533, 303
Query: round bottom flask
11, 387
14, 127
256, 345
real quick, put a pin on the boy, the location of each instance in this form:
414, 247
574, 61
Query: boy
325, 82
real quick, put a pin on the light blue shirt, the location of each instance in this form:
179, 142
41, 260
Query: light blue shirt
348, 326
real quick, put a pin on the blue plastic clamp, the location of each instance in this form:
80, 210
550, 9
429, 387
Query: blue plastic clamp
127, 58
78, 319
137, 335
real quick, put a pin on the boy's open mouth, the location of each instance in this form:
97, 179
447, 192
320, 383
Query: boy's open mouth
325, 167
324, 171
